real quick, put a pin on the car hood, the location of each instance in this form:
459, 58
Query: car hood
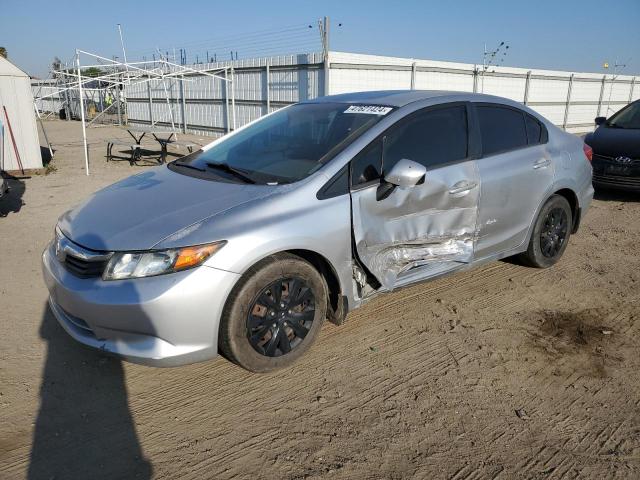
138, 212
614, 142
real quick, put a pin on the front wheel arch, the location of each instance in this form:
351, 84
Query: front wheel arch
232, 327
337, 306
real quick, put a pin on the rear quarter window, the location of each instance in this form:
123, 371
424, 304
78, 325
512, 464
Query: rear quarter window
534, 130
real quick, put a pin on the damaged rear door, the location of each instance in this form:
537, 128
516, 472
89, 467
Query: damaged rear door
406, 234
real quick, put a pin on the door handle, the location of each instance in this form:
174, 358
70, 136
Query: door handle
541, 163
462, 186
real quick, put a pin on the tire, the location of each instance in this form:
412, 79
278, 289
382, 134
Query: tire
550, 235
253, 310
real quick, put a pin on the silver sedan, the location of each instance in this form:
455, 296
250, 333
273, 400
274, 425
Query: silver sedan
246, 246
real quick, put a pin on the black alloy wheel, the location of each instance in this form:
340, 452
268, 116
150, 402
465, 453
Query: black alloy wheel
274, 313
281, 316
551, 231
554, 232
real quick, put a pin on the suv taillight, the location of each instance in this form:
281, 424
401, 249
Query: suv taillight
588, 152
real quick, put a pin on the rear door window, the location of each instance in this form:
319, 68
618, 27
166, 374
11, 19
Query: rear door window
502, 129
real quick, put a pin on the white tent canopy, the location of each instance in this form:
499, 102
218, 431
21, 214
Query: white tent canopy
19, 132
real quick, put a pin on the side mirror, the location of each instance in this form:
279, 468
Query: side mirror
600, 120
406, 173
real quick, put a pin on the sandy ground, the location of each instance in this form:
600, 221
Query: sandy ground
501, 372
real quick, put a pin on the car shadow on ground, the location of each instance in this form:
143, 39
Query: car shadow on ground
84, 427
612, 195
11, 202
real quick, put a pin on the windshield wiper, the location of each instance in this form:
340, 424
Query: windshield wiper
178, 163
234, 171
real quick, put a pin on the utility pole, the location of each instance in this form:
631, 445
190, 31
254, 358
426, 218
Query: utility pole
616, 74
124, 52
84, 130
324, 37
122, 87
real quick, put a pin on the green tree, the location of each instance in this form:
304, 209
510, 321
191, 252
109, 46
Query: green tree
92, 72
3, 52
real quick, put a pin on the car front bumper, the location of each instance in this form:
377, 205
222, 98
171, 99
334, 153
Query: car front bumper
609, 173
617, 182
163, 321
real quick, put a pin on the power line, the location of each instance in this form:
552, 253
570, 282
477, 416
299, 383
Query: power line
257, 48
238, 45
247, 36
235, 38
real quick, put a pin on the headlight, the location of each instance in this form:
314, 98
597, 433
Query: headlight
157, 262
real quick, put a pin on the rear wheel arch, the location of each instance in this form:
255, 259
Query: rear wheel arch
548, 230
568, 194
572, 198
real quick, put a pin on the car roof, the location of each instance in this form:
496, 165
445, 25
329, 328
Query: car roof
400, 98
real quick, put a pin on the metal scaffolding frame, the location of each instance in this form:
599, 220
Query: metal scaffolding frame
118, 76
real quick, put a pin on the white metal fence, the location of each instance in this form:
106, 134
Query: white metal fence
50, 99
47, 95
570, 100
208, 106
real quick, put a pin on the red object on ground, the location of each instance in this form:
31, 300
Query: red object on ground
13, 140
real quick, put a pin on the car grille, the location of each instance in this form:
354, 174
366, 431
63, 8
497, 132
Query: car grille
616, 180
83, 268
634, 161
79, 261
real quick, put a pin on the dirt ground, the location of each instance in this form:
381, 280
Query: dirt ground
501, 372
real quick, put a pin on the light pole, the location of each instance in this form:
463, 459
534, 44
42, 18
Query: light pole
492, 58
616, 73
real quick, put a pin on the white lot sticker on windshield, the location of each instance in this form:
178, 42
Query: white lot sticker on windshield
368, 109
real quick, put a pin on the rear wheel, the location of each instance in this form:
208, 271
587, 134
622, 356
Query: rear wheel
550, 235
274, 314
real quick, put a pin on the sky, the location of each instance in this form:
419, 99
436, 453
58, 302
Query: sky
577, 35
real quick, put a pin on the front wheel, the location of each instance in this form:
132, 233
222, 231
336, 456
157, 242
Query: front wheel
274, 314
550, 234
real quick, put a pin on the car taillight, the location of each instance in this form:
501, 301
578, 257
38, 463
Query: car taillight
588, 151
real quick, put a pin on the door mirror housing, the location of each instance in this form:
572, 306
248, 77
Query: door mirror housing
600, 120
406, 173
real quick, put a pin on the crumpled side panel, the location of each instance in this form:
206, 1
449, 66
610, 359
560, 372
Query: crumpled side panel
429, 223
391, 261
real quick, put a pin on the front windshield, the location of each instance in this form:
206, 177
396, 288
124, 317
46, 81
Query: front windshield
286, 146
628, 117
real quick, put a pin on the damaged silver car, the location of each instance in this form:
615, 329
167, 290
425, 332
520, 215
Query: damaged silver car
246, 246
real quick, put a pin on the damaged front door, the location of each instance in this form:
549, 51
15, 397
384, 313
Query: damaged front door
405, 233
